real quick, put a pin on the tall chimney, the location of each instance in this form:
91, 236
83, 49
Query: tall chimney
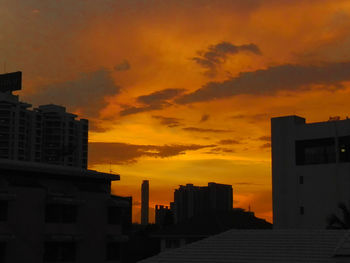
144, 202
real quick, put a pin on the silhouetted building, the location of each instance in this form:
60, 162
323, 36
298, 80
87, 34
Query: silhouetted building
205, 225
52, 213
310, 170
45, 134
163, 216
64, 139
144, 202
193, 200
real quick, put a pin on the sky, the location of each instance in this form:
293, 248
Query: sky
181, 92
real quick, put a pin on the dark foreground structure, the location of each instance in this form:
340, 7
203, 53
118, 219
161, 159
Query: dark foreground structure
310, 170
52, 213
264, 246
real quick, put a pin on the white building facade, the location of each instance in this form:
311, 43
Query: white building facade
310, 170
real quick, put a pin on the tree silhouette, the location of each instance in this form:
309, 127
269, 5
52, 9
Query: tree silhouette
334, 222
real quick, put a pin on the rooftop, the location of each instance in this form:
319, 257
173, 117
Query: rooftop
50, 169
264, 246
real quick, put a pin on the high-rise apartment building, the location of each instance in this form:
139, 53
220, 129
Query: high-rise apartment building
144, 202
45, 134
190, 200
310, 170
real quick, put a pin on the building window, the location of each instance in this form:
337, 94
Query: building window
301, 179
59, 252
344, 148
60, 213
301, 210
3, 210
319, 151
113, 251
114, 215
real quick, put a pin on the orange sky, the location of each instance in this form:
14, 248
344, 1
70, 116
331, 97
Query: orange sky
182, 91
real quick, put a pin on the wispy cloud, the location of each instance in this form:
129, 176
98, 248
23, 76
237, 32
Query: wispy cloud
204, 118
124, 153
168, 121
217, 54
154, 101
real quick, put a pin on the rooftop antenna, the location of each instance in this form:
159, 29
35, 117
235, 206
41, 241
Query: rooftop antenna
249, 208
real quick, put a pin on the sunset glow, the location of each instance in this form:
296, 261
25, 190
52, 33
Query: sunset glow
182, 92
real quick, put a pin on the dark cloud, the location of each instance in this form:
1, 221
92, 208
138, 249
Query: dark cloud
265, 138
217, 54
154, 101
220, 150
229, 142
86, 93
195, 129
124, 153
266, 145
134, 110
269, 81
123, 66
204, 118
159, 97
96, 125
168, 121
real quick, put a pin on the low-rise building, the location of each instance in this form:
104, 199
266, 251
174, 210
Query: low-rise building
51, 213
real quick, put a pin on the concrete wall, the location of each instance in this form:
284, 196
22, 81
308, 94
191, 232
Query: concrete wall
26, 230
323, 186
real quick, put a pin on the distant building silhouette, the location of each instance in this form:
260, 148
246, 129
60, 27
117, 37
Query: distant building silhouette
144, 202
310, 170
205, 225
51, 213
163, 215
46, 134
193, 200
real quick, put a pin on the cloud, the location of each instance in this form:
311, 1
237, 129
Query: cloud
217, 54
195, 129
86, 93
123, 66
159, 97
265, 138
229, 142
205, 117
168, 121
124, 153
154, 101
266, 145
134, 110
271, 80
219, 150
